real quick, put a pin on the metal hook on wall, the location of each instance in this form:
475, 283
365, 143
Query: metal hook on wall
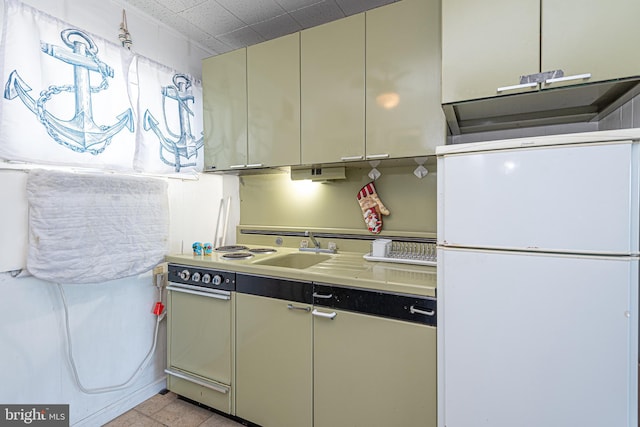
124, 36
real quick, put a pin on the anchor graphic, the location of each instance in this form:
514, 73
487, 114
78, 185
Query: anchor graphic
185, 146
80, 134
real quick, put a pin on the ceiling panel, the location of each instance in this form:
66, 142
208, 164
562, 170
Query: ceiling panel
241, 37
317, 14
277, 27
253, 11
223, 25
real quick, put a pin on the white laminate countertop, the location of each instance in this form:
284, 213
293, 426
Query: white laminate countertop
343, 268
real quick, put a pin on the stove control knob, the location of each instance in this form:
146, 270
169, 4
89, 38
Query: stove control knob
185, 274
217, 280
206, 278
195, 277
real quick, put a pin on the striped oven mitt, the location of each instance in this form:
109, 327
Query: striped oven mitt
372, 208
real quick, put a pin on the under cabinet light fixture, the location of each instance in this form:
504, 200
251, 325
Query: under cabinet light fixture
318, 173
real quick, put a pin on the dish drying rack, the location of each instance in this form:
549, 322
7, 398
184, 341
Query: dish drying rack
419, 253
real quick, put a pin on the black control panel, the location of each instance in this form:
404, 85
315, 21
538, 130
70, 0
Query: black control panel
411, 308
204, 277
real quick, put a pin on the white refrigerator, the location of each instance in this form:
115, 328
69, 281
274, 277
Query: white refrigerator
538, 248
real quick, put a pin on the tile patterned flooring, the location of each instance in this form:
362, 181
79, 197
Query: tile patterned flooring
166, 410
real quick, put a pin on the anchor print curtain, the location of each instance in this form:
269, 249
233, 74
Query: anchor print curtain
169, 120
73, 98
65, 98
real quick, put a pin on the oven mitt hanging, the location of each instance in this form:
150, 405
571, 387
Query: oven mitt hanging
372, 208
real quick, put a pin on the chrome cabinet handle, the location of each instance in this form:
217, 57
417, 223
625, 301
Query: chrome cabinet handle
255, 165
237, 166
514, 87
331, 315
377, 156
414, 310
347, 158
293, 307
317, 295
568, 78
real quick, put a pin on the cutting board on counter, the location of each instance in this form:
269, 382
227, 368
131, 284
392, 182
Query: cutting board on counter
14, 217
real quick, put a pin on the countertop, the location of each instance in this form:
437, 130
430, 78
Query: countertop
342, 268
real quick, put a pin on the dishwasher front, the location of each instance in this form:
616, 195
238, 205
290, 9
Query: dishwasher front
200, 335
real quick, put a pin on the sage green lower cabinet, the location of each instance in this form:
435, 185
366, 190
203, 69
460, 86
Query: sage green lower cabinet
372, 371
273, 361
303, 360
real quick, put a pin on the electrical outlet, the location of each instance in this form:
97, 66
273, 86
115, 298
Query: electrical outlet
161, 268
304, 243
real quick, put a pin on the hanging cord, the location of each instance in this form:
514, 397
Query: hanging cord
124, 36
72, 362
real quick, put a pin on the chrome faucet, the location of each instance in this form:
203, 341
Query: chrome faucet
316, 245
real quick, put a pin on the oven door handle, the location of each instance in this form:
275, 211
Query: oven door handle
199, 293
203, 383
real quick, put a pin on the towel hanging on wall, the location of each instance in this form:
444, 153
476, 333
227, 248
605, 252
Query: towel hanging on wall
87, 228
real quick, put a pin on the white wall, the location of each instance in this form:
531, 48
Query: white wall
111, 323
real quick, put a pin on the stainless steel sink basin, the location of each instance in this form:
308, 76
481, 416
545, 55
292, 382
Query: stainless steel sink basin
299, 260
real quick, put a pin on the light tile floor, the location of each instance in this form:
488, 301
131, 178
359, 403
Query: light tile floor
169, 411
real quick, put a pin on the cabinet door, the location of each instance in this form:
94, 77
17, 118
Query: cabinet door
224, 87
332, 91
403, 112
374, 372
487, 45
273, 81
594, 37
273, 362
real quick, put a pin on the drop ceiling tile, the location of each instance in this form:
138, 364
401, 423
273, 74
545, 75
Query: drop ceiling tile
193, 3
212, 18
252, 11
145, 5
351, 7
216, 45
241, 37
187, 29
173, 5
277, 27
291, 5
317, 14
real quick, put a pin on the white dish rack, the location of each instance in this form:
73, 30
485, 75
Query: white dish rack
418, 253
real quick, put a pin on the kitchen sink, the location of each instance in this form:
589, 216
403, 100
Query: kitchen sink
298, 260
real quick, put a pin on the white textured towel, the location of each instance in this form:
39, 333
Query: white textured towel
87, 228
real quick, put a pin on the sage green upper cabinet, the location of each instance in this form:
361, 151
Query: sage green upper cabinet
488, 46
599, 38
403, 113
332, 64
224, 91
273, 82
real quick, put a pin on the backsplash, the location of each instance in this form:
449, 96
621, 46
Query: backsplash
275, 200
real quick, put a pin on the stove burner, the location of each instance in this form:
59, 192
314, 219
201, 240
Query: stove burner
262, 250
231, 248
237, 255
